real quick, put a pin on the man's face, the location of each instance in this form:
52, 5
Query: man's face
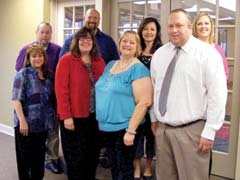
92, 19
44, 34
179, 28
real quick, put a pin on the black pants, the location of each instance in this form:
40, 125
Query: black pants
145, 135
81, 148
30, 154
122, 156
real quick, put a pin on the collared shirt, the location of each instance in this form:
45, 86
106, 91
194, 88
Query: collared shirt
37, 98
107, 46
52, 52
198, 89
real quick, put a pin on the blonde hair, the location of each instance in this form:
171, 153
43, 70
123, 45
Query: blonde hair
137, 39
211, 35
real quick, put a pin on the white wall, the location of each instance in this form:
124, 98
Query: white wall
18, 24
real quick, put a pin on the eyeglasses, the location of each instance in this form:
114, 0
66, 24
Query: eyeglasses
88, 39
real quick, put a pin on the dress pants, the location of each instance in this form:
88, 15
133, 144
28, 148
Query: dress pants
30, 154
81, 148
177, 154
52, 145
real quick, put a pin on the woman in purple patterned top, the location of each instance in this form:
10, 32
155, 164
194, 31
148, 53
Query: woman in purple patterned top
150, 35
34, 108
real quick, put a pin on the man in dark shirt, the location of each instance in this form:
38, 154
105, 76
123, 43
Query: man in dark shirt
43, 37
107, 46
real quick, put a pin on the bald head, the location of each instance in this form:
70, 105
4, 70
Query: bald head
92, 19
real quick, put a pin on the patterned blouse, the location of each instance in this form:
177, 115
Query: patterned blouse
37, 98
146, 60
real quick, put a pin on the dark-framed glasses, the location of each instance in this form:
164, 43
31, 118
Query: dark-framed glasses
88, 39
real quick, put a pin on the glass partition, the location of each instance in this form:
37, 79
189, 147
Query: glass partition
131, 12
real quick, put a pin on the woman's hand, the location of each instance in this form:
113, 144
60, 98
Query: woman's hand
68, 124
128, 139
23, 127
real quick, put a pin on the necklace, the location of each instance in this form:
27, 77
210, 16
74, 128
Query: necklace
122, 68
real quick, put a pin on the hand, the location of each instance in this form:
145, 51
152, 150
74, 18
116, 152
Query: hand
24, 127
205, 145
154, 128
68, 124
128, 139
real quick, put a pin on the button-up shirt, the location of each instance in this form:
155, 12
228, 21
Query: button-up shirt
198, 89
37, 98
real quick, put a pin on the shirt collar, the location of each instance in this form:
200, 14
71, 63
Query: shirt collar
186, 46
98, 33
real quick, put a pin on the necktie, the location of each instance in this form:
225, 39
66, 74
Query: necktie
166, 83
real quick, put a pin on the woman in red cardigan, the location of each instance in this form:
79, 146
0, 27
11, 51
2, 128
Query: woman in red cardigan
76, 74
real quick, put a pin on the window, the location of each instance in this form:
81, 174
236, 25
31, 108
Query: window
131, 12
73, 19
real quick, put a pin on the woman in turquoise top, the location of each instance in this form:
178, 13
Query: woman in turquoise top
123, 95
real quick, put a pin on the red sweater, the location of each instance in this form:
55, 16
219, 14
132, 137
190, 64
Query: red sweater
73, 85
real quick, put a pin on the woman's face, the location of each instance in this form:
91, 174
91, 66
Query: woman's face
149, 32
85, 44
36, 59
203, 27
128, 45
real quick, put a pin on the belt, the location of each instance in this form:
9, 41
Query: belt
186, 124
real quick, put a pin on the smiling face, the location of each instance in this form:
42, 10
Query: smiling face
128, 45
149, 32
179, 28
203, 27
92, 19
36, 59
85, 44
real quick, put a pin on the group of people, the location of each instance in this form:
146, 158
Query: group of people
165, 101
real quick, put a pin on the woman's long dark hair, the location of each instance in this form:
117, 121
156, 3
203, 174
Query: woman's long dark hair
157, 41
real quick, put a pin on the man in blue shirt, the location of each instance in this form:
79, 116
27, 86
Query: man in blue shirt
107, 46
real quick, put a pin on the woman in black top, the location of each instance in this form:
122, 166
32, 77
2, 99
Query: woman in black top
150, 35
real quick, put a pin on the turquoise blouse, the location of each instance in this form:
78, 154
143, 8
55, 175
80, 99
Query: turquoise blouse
114, 96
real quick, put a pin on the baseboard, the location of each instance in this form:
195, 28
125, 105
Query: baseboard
6, 129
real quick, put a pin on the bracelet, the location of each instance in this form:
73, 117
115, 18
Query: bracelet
131, 132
